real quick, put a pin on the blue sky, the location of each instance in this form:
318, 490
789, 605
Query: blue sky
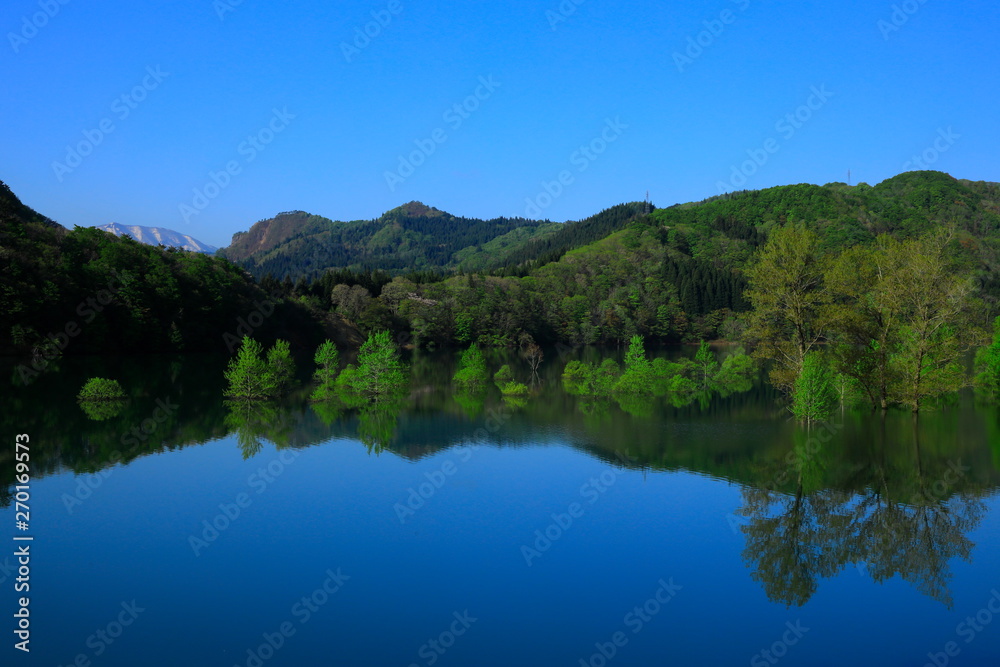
563, 108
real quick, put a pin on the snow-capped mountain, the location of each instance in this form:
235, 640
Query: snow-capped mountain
159, 236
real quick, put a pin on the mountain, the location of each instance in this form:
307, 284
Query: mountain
85, 291
678, 273
412, 237
159, 236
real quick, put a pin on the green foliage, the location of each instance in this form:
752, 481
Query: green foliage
101, 389
814, 396
576, 377
735, 374
472, 368
988, 364
637, 377
248, 375
327, 359
503, 376
514, 389
380, 371
707, 364
280, 364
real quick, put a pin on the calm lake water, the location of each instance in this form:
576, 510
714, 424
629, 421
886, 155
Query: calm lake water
464, 530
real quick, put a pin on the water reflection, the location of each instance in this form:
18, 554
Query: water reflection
909, 523
889, 495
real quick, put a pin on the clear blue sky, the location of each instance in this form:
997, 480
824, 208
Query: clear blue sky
676, 130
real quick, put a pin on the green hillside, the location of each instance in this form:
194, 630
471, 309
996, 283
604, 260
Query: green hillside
89, 291
412, 237
677, 274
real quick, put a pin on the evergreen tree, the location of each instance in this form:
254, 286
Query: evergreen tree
249, 377
280, 364
327, 359
380, 370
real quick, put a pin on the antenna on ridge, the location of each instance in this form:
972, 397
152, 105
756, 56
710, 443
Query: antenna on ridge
647, 202
848, 176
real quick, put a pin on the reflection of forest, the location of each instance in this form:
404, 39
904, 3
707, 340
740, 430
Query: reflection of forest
908, 523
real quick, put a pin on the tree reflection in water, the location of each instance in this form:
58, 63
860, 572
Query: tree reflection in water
910, 527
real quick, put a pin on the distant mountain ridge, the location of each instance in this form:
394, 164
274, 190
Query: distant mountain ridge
159, 236
413, 237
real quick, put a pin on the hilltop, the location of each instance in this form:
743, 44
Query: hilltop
411, 237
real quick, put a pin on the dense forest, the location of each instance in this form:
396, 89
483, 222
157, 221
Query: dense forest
670, 275
677, 274
89, 291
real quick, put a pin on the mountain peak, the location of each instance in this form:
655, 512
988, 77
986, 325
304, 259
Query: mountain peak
416, 209
158, 236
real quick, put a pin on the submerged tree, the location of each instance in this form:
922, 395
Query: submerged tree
379, 371
788, 297
327, 360
988, 364
280, 364
248, 375
472, 369
814, 395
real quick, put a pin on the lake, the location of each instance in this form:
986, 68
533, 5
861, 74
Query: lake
457, 529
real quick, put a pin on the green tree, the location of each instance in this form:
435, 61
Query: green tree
707, 364
814, 396
988, 364
503, 376
327, 360
937, 312
472, 368
249, 377
101, 389
787, 293
638, 377
380, 370
280, 364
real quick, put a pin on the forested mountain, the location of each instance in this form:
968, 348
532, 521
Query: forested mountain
670, 275
412, 237
676, 274
86, 291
